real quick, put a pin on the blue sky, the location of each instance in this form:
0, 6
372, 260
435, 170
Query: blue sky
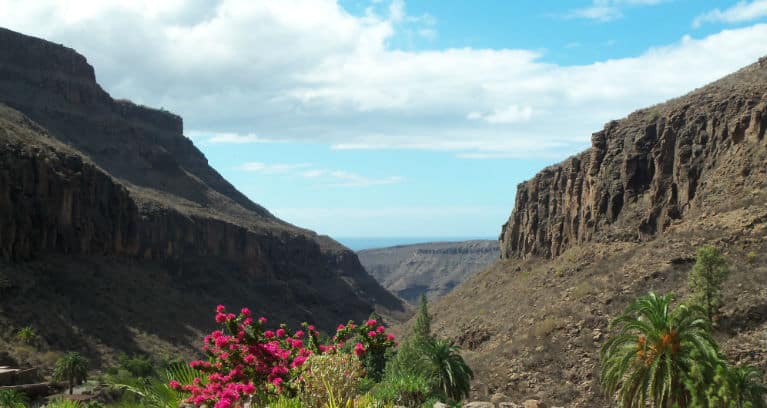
387, 118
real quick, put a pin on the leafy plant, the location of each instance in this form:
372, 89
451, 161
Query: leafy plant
654, 347
12, 399
26, 334
138, 366
330, 376
706, 279
410, 390
422, 326
72, 368
162, 391
446, 368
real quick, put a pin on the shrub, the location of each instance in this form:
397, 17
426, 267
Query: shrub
247, 362
751, 257
340, 373
26, 335
446, 369
12, 399
138, 366
410, 390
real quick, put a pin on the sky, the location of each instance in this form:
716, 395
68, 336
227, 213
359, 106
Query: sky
394, 118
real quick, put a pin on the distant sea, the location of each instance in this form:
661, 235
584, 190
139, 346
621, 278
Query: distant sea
360, 243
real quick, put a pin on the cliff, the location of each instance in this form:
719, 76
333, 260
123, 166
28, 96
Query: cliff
106, 183
431, 268
589, 235
645, 171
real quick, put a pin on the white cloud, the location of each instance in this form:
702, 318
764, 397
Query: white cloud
308, 71
227, 137
277, 168
509, 114
608, 10
740, 12
321, 176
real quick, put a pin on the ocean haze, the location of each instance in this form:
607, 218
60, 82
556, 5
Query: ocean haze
361, 243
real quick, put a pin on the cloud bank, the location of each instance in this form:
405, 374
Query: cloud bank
243, 71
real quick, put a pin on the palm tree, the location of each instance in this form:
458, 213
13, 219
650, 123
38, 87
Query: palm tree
444, 365
72, 368
746, 387
653, 349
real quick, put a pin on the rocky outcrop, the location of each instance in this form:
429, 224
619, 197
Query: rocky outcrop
84, 175
646, 171
430, 268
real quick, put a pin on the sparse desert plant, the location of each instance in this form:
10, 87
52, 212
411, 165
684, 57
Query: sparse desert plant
26, 335
544, 327
751, 257
12, 399
706, 279
72, 368
651, 352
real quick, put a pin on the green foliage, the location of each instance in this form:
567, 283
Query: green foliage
446, 369
751, 257
422, 326
63, 403
72, 368
706, 279
654, 347
409, 390
137, 366
26, 335
12, 399
715, 384
155, 392
336, 374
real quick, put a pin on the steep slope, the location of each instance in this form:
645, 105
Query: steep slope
591, 234
432, 268
110, 217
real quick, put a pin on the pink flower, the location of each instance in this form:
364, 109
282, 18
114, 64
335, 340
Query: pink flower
381, 329
174, 384
371, 333
390, 337
220, 308
262, 320
371, 323
268, 334
299, 334
245, 311
280, 332
359, 349
340, 327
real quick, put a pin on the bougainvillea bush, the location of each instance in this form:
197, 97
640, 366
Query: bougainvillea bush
248, 362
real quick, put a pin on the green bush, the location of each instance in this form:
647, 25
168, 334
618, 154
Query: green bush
409, 390
138, 366
12, 399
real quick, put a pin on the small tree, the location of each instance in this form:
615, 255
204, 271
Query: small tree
72, 368
446, 369
422, 326
706, 279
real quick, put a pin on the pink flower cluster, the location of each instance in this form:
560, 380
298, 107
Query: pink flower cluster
245, 360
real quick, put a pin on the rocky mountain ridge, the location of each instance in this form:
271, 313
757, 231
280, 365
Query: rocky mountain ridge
589, 235
642, 173
432, 268
118, 191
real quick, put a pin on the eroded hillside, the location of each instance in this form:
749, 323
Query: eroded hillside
116, 234
589, 235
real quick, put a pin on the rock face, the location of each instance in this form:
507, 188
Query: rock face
590, 235
84, 175
431, 268
644, 172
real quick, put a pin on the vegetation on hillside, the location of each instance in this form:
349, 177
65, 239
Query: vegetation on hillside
667, 357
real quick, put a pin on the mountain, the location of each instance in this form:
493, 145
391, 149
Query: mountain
589, 235
433, 268
116, 234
